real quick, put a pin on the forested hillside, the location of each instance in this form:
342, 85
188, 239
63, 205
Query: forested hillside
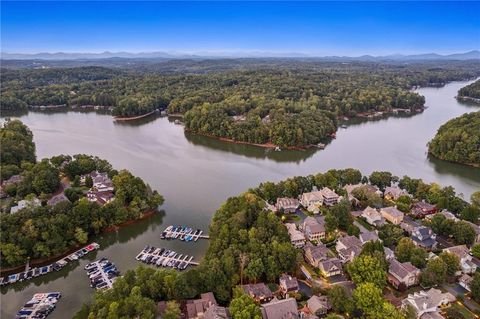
458, 140
470, 91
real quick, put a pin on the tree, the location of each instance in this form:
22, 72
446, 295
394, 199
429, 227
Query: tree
451, 261
339, 299
76, 181
407, 251
435, 273
81, 236
470, 213
475, 286
172, 311
382, 179
331, 223
475, 199
463, 233
390, 234
476, 250
366, 268
244, 307
88, 181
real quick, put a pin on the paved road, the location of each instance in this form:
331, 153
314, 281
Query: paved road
458, 290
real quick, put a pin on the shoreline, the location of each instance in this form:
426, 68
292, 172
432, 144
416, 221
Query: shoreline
453, 162
132, 118
468, 98
47, 260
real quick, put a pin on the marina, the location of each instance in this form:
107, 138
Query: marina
40, 306
162, 257
183, 233
102, 273
30, 273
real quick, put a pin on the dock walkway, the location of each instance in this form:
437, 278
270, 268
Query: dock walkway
183, 233
162, 257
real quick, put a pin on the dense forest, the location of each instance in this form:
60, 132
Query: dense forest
249, 244
458, 140
44, 231
284, 102
470, 91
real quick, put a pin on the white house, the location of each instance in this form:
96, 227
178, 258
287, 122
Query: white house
312, 200
24, 204
372, 216
314, 228
297, 238
330, 198
428, 301
466, 263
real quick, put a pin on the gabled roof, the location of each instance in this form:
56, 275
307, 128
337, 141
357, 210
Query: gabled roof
314, 225
312, 196
319, 252
350, 241
330, 265
460, 251
368, 236
316, 303
289, 281
392, 211
258, 290
280, 309
401, 270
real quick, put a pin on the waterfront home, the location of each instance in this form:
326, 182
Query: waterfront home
315, 254
476, 228
463, 253
101, 198
196, 309
392, 214
297, 238
288, 284
314, 228
368, 188
424, 237
259, 292
372, 216
368, 236
330, 198
287, 205
393, 193
280, 309
422, 209
348, 247
318, 305
426, 302
311, 201
402, 275
465, 281
24, 203
101, 181
445, 213
330, 267
57, 199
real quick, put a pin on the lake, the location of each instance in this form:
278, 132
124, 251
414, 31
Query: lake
196, 174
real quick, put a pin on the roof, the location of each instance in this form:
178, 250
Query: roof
424, 205
327, 192
314, 225
57, 199
401, 270
423, 231
460, 251
285, 202
371, 212
368, 236
312, 196
432, 298
350, 241
466, 279
319, 252
316, 303
280, 309
392, 211
330, 265
294, 233
216, 312
289, 281
258, 290
395, 191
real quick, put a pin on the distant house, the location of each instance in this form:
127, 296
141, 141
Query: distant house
445, 213
368, 188
368, 236
424, 237
297, 238
426, 302
217, 312
422, 209
101, 181
259, 292
288, 283
25, 204
287, 205
330, 267
101, 198
465, 281
280, 309
314, 228
348, 247
330, 198
57, 199
315, 254
463, 254
312, 200
197, 308
319, 305
404, 274
372, 216
393, 193
392, 214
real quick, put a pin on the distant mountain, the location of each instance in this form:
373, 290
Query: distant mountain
474, 54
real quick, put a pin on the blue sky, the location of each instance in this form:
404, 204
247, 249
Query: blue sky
317, 28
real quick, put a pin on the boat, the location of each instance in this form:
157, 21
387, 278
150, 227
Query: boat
277, 149
343, 126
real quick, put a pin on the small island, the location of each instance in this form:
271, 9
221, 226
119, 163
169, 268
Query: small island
458, 140
470, 92
52, 206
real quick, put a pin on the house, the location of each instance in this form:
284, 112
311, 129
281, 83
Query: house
297, 238
445, 213
392, 214
404, 274
259, 292
372, 216
288, 283
217, 312
318, 305
477, 231
348, 247
196, 309
465, 281
368, 188
425, 302
463, 254
287, 205
389, 254
393, 193
312, 200
15, 179
368, 236
101, 198
101, 181
330, 198
57, 199
330, 267
315, 254
424, 237
280, 309
314, 228
32, 203
422, 209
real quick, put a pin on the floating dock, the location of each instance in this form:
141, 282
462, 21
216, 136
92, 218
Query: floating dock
40, 306
183, 233
102, 274
35, 272
162, 257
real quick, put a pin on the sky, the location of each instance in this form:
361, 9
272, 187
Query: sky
312, 28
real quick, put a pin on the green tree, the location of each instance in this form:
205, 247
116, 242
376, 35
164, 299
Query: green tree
435, 273
475, 286
172, 311
81, 236
366, 268
463, 233
339, 299
244, 307
451, 261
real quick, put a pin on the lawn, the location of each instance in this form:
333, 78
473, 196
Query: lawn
362, 222
463, 310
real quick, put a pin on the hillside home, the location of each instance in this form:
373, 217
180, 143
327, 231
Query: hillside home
315, 254
101, 198
348, 247
392, 214
197, 308
288, 283
330, 267
22, 204
318, 305
402, 274
312, 200
465, 281
368, 236
330, 198
287, 205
